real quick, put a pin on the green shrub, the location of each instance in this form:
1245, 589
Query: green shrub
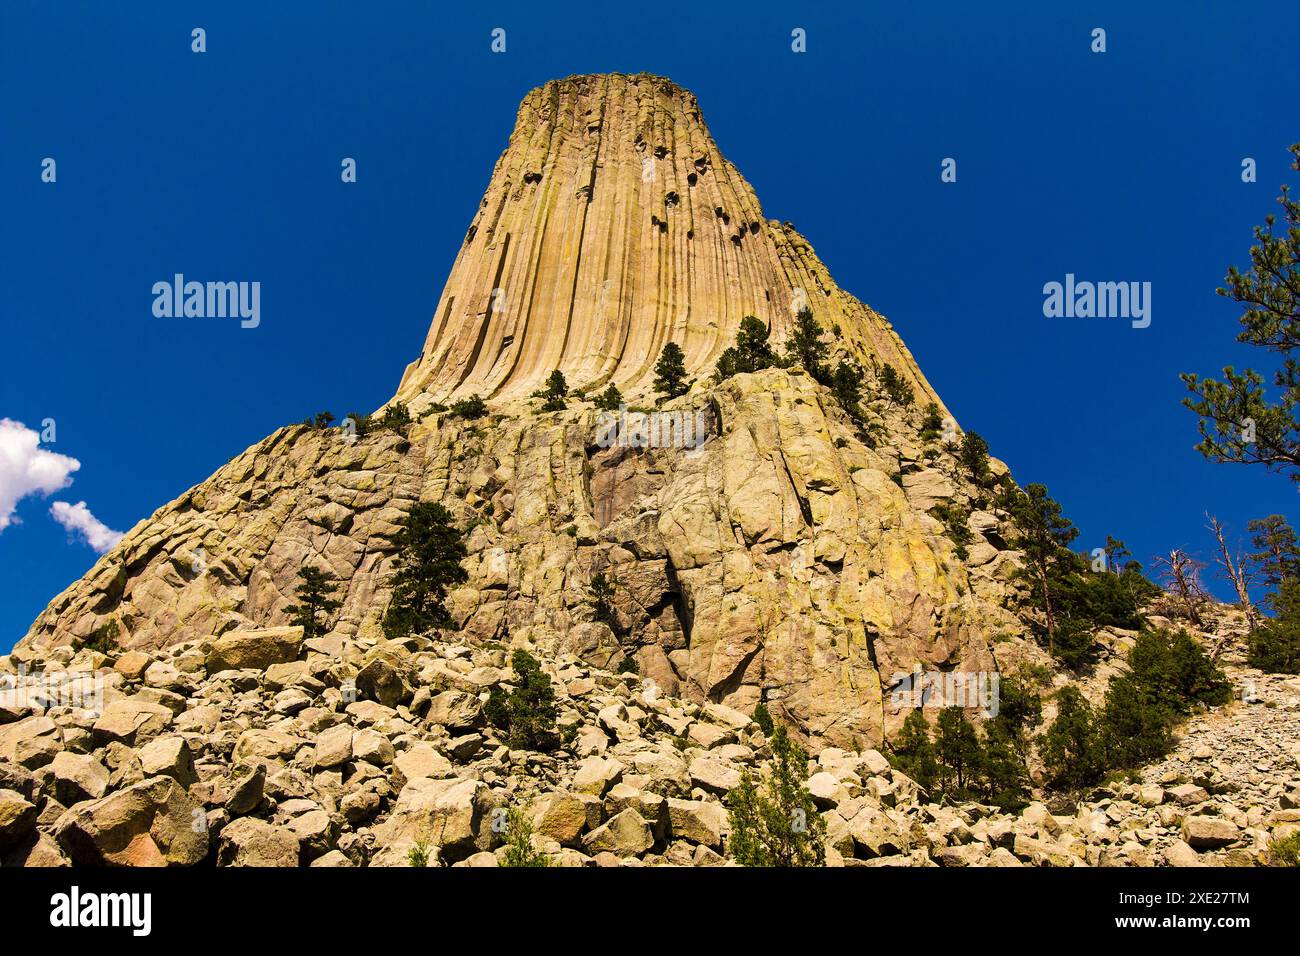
763, 719
1284, 851
527, 713
471, 407
518, 838
777, 825
418, 855
751, 353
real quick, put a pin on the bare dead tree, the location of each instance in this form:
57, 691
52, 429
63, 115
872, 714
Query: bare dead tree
1234, 568
1180, 574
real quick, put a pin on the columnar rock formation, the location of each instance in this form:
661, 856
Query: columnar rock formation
613, 225
799, 557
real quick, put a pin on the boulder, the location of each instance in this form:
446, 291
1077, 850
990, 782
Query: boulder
699, 821
78, 777
1209, 833
627, 834
252, 842
17, 818
153, 823
257, 649
168, 757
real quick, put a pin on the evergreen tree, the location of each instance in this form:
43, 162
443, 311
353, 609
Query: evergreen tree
554, 392
361, 424
973, 454
1275, 644
429, 552
751, 353
931, 423
806, 348
913, 752
470, 408
1045, 535
763, 719
396, 417
610, 400
895, 386
1069, 749
670, 372
1003, 776
957, 747
1135, 724
778, 825
527, 714
846, 387
1238, 420
315, 593
1278, 554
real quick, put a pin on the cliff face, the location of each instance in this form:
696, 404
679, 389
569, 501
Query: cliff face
613, 225
796, 558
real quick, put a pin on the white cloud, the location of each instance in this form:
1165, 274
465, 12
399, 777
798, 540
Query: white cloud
27, 469
77, 518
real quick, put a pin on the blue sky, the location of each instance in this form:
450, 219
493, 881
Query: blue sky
225, 165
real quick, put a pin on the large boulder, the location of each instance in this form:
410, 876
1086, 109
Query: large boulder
77, 777
254, 649
17, 817
252, 842
453, 815
153, 823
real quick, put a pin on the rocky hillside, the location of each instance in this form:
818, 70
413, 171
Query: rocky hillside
259, 748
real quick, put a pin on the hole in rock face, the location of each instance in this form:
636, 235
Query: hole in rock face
692, 179
658, 223
753, 227
530, 178
702, 163
469, 236
661, 152
639, 143
672, 199
690, 234
584, 192
736, 239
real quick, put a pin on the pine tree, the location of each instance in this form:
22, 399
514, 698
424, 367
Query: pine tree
315, 594
1278, 554
846, 386
779, 825
806, 348
895, 386
973, 453
1238, 420
527, 714
471, 407
931, 423
1275, 644
1045, 535
913, 751
1069, 748
670, 372
554, 392
429, 552
610, 400
957, 747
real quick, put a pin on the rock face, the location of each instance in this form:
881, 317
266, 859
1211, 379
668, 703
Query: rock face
613, 225
796, 557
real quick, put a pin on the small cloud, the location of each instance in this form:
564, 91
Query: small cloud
77, 518
28, 469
